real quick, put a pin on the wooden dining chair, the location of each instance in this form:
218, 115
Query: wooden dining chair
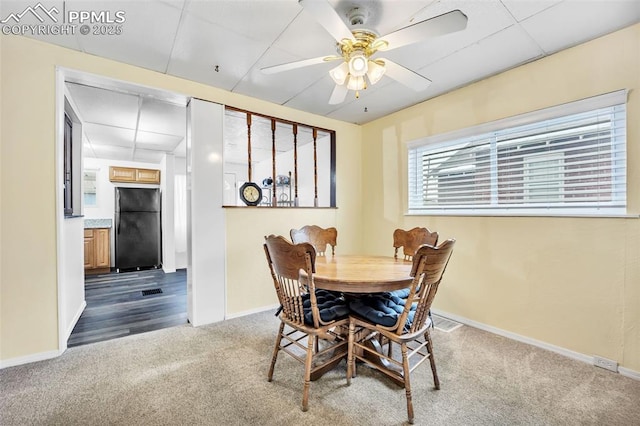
405, 323
306, 315
411, 240
317, 236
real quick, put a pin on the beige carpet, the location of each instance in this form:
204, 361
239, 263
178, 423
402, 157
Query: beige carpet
216, 375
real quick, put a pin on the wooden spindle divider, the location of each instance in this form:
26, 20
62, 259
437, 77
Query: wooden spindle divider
315, 168
249, 145
274, 196
295, 165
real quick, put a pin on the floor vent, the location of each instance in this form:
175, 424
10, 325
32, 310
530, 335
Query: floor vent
153, 291
445, 324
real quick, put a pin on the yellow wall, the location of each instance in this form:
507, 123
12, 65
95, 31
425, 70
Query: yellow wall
569, 282
28, 263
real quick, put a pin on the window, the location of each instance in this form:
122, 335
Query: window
564, 160
89, 188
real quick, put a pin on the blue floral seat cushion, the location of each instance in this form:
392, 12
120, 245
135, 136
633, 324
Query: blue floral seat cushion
381, 308
332, 306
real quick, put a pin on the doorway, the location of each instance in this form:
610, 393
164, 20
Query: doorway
132, 126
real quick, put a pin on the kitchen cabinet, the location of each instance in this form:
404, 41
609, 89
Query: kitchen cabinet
97, 256
134, 175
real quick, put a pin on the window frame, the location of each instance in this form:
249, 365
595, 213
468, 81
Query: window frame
457, 138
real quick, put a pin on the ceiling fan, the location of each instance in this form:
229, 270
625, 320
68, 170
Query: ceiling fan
357, 48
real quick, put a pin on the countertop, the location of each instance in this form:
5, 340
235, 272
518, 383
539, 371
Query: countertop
97, 223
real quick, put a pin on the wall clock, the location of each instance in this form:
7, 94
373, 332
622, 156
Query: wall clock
250, 194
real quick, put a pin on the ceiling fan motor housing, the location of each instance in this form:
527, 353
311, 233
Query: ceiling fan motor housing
357, 16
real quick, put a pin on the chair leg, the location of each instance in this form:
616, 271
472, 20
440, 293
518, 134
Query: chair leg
407, 381
307, 372
350, 349
275, 352
432, 360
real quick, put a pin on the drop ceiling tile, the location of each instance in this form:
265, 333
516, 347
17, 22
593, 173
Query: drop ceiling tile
147, 34
157, 141
148, 156
315, 98
163, 117
282, 86
491, 56
109, 152
305, 38
105, 106
522, 9
573, 22
379, 100
201, 45
484, 19
258, 20
99, 134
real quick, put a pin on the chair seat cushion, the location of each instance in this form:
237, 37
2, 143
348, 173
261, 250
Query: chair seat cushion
402, 294
331, 305
382, 308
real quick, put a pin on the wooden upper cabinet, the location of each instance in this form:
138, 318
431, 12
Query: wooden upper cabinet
133, 175
147, 176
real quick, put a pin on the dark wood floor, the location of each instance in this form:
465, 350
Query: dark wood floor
116, 306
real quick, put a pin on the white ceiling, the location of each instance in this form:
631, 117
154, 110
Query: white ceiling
189, 38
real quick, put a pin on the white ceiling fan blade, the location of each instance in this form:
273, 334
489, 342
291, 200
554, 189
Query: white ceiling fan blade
433, 27
298, 64
339, 94
405, 76
326, 16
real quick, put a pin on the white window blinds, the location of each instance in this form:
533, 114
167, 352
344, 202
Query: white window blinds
562, 160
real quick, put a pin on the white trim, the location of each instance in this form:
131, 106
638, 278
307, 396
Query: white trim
12, 362
59, 194
252, 311
629, 373
74, 321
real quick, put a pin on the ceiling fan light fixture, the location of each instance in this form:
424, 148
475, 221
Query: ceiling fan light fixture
358, 64
356, 83
375, 72
340, 73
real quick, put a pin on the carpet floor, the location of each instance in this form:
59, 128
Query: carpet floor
216, 375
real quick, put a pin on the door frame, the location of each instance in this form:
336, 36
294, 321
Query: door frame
201, 287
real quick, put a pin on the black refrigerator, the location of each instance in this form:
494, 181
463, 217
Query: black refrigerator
137, 229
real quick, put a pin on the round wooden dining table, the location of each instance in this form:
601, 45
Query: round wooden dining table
362, 274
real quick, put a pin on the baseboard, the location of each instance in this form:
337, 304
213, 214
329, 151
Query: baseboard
76, 317
629, 373
12, 362
253, 311
553, 348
